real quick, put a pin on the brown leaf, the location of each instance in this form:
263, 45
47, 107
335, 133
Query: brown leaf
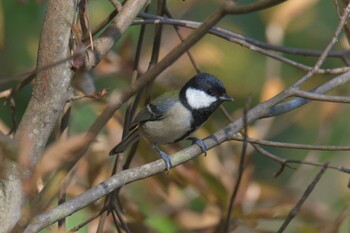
112, 63
191, 220
84, 21
99, 94
56, 155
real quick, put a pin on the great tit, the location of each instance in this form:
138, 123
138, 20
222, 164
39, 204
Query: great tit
174, 115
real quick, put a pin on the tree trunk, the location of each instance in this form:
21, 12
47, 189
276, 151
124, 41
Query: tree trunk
50, 93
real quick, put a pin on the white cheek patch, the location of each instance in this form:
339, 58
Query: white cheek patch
198, 99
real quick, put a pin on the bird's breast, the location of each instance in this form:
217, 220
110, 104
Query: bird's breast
175, 123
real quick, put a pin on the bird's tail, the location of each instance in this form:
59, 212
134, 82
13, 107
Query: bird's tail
129, 140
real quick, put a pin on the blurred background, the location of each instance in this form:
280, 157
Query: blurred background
194, 197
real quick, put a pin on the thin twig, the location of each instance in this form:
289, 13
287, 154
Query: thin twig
101, 222
231, 7
132, 106
218, 31
240, 168
247, 42
285, 162
130, 111
104, 188
189, 54
31, 74
320, 97
117, 100
291, 145
84, 223
284, 107
303, 198
116, 222
120, 217
330, 45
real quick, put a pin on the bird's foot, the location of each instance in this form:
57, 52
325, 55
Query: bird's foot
165, 157
200, 143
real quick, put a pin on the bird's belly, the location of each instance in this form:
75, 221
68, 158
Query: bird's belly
167, 130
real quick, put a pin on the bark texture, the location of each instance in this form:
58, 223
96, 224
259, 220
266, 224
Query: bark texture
52, 86
50, 93
10, 197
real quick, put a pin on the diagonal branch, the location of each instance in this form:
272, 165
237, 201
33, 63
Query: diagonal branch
232, 8
106, 41
116, 101
291, 145
252, 44
321, 97
303, 198
147, 170
298, 102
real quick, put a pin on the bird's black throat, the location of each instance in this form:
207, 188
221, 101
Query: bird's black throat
199, 116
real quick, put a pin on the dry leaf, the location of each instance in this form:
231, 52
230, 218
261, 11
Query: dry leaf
191, 220
84, 21
110, 64
99, 94
58, 154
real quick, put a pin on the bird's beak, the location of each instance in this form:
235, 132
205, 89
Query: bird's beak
226, 97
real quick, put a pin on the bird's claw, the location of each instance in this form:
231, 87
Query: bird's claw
165, 157
199, 143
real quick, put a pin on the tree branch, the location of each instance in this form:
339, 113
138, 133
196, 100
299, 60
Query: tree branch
320, 97
252, 44
303, 198
51, 90
291, 145
298, 102
131, 175
106, 41
52, 86
118, 180
232, 8
149, 169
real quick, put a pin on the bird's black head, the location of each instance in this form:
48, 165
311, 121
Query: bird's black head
202, 95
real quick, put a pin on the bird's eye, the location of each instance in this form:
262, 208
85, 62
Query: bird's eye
209, 91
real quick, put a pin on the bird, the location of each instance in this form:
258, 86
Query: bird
175, 115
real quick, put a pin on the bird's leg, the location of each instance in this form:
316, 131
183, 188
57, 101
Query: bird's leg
200, 143
164, 155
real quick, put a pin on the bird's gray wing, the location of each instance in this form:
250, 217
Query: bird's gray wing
156, 109
153, 111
